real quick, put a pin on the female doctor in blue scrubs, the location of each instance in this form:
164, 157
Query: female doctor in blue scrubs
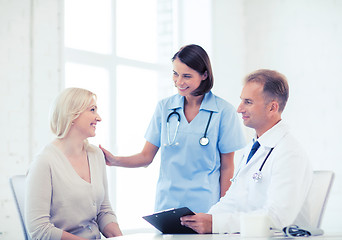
197, 133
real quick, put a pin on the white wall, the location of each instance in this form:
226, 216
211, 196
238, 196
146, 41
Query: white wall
30, 78
194, 24
229, 55
302, 39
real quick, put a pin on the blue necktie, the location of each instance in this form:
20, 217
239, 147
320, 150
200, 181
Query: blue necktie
255, 147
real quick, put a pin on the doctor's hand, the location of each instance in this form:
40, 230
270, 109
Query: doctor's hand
201, 222
110, 159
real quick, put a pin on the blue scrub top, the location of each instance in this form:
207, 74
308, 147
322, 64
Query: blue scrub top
189, 172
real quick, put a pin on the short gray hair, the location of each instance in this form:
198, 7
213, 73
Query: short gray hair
275, 85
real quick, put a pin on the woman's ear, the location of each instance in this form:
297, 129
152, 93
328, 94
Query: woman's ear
205, 75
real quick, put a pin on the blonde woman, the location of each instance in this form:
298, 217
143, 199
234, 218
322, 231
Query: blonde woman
67, 196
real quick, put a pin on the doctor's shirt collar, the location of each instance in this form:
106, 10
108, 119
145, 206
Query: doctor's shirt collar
272, 136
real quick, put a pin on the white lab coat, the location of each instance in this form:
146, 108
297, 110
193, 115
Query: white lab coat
287, 176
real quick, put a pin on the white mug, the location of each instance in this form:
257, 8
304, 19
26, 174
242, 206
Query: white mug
255, 225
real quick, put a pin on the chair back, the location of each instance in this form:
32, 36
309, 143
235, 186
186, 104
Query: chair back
318, 196
17, 184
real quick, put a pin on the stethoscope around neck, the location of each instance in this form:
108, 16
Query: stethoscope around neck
257, 176
203, 141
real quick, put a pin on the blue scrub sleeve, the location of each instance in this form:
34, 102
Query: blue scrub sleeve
231, 137
153, 132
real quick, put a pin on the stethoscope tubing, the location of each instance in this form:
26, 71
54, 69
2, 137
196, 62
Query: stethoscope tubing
174, 112
204, 141
206, 129
256, 176
168, 126
263, 163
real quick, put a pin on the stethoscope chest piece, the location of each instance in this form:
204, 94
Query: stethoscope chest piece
204, 141
257, 176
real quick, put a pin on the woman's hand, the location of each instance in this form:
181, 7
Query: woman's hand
141, 159
110, 159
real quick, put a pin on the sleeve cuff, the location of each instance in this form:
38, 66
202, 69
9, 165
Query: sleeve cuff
105, 220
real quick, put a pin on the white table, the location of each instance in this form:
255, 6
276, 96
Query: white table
156, 236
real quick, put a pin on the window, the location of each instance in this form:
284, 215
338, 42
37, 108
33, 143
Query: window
121, 50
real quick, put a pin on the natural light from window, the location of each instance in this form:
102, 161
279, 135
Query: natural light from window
137, 31
122, 54
88, 24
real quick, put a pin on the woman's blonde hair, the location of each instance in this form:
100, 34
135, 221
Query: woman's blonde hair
68, 105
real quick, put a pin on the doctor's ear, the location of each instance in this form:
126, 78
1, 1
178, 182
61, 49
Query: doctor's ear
274, 106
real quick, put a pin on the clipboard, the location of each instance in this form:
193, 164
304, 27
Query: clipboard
168, 221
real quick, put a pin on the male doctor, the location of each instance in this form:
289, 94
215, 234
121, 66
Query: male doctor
276, 179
